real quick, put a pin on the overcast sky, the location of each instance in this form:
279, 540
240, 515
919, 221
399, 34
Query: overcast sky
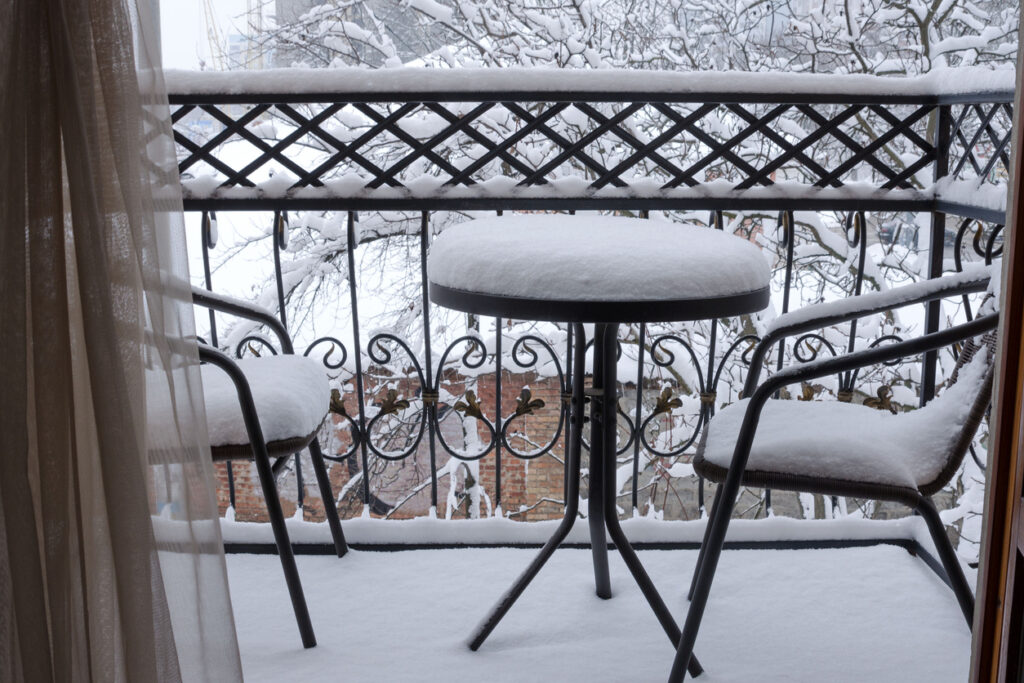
184, 34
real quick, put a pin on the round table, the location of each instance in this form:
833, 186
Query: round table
603, 270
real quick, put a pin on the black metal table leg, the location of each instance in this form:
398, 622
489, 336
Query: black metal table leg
571, 502
599, 469
603, 513
603, 414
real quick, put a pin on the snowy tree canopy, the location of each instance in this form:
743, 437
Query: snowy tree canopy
885, 37
882, 37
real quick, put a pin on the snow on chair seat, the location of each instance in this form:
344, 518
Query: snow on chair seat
291, 394
594, 258
850, 442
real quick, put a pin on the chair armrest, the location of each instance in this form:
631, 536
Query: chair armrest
876, 355
820, 315
817, 316
244, 309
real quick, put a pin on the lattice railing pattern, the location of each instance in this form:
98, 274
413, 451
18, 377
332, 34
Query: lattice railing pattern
980, 141
564, 148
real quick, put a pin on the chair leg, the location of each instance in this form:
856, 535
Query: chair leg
327, 495
268, 484
284, 547
950, 562
714, 542
280, 465
704, 543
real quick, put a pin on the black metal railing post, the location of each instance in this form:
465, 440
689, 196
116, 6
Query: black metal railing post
642, 339
936, 247
208, 225
280, 242
497, 412
209, 241
567, 409
429, 395
350, 239
788, 222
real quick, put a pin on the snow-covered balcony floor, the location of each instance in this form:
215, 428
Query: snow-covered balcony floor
857, 614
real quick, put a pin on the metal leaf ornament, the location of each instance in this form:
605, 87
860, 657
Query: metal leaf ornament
666, 402
526, 404
808, 391
884, 400
392, 404
469, 407
337, 406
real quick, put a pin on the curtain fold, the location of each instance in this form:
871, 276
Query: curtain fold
111, 563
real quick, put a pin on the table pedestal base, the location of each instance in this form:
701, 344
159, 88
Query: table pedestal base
602, 512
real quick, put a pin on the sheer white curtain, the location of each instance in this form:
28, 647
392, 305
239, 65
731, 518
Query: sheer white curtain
111, 567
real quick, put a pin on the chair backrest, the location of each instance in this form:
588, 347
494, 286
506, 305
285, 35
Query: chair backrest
982, 350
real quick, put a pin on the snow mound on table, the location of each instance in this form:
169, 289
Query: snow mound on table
291, 395
595, 258
849, 441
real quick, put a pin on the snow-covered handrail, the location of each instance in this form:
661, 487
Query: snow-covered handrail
243, 309
422, 84
974, 278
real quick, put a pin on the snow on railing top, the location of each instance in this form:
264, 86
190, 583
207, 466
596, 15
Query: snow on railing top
427, 138
410, 83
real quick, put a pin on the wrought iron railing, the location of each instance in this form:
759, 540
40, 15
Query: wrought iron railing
433, 146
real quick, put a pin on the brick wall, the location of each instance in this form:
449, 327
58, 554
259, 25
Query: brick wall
530, 489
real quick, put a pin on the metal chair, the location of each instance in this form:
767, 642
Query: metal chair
782, 454
273, 428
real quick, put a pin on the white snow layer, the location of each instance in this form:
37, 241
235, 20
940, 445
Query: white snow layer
849, 441
401, 81
891, 298
502, 530
844, 616
976, 192
291, 395
355, 185
594, 258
